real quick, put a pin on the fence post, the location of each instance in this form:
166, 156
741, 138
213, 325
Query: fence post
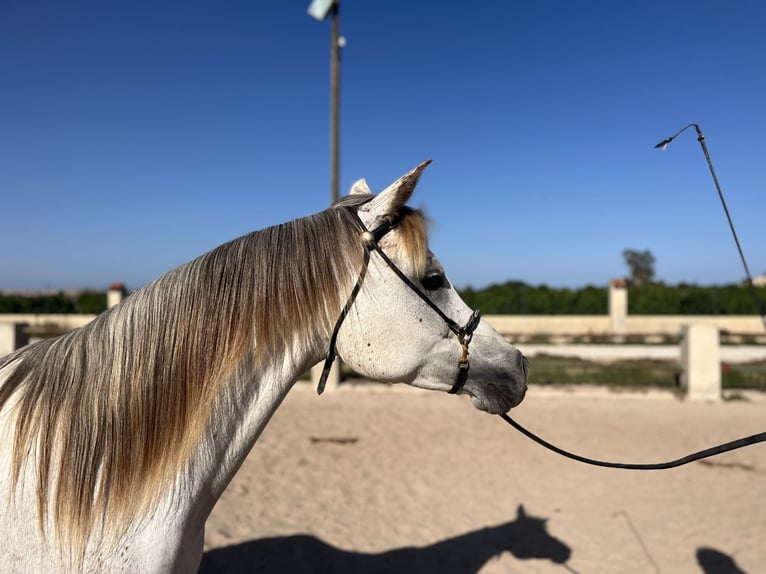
12, 337
618, 305
701, 363
114, 294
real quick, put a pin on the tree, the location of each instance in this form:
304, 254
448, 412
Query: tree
641, 265
91, 302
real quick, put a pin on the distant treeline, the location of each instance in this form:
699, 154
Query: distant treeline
90, 302
518, 298
511, 298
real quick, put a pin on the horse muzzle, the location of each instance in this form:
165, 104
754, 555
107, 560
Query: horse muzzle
504, 389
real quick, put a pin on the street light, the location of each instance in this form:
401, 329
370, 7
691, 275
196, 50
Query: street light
701, 138
320, 9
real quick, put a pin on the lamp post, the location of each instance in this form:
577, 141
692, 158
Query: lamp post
701, 138
321, 9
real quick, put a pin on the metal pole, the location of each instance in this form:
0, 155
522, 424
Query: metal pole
320, 9
753, 290
701, 138
335, 102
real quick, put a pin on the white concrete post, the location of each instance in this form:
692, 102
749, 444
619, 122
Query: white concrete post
701, 363
12, 337
114, 295
618, 305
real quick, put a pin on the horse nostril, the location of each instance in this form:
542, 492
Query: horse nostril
524, 364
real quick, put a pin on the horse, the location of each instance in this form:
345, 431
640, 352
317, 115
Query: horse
118, 438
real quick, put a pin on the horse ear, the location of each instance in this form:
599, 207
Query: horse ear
391, 199
360, 187
520, 512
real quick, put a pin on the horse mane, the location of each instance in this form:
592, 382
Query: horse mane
112, 411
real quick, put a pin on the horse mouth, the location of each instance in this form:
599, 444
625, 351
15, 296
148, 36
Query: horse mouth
496, 401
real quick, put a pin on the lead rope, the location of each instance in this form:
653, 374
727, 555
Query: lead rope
708, 452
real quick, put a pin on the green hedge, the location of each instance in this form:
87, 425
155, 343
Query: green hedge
91, 302
510, 298
518, 298
683, 299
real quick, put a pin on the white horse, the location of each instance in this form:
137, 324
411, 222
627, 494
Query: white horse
117, 439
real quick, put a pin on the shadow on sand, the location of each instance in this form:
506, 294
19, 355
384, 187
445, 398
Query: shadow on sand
526, 537
713, 561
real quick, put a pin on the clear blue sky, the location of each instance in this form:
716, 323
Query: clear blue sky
136, 135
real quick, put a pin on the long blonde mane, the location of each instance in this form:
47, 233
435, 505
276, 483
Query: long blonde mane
111, 411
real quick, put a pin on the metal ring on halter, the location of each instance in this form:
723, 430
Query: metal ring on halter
463, 364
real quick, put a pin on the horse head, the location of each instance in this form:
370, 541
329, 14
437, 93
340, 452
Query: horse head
408, 323
527, 537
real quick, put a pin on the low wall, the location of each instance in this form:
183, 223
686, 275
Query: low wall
65, 322
515, 325
595, 352
511, 326
19, 329
673, 324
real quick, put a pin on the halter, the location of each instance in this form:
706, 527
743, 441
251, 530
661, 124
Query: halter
370, 241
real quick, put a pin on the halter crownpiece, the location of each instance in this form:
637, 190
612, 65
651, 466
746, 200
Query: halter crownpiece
370, 241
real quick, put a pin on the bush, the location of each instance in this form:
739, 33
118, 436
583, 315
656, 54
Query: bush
518, 298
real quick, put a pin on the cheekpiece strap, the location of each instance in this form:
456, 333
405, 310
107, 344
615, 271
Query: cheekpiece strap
370, 240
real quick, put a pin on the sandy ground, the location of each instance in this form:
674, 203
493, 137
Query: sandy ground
373, 478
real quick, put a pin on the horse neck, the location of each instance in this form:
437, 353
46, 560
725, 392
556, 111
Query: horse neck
257, 375
471, 550
525, 538
243, 410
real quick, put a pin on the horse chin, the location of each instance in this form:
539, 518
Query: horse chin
493, 405
495, 401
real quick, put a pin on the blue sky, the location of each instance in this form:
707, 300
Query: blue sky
136, 135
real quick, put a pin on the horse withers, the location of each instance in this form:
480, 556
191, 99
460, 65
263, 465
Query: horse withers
117, 439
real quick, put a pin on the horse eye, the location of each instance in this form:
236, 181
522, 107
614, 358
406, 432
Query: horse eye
433, 280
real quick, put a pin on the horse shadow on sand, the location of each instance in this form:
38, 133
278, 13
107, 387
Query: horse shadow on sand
525, 537
714, 561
